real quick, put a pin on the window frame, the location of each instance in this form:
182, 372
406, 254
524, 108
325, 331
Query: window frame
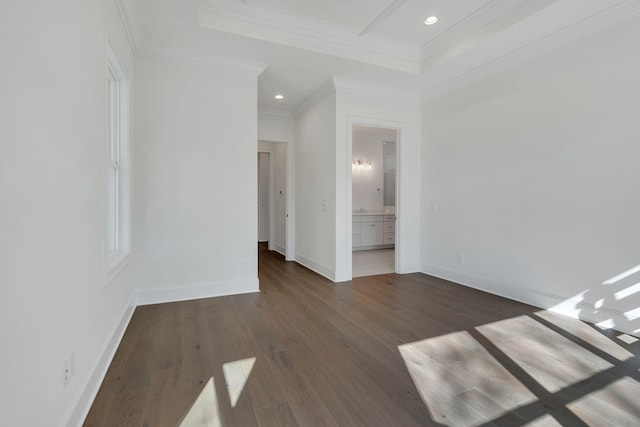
117, 248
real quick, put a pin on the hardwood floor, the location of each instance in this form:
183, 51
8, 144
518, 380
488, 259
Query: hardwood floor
378, 351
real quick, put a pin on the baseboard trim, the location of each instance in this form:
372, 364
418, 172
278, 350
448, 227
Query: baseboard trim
314, 266
572, 306
280, 249
83, 400
196, 291
409, 268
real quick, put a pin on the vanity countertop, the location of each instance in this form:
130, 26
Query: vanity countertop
388, 211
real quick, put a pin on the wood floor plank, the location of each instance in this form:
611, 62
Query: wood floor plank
405, 350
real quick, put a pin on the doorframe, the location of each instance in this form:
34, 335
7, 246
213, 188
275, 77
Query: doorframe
271, 231
289, 194
352, 121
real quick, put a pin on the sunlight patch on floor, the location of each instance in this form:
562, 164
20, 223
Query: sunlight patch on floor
236, 375
613, 405
544, 421
551, 359
585, 333
205, 411
460, 382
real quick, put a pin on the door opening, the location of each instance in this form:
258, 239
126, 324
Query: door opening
264, 214
273, 209
373, 180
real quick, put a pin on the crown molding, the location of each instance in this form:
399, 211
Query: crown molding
325, 90
277, 27
127, 22
240, 65
621, 11
126, 16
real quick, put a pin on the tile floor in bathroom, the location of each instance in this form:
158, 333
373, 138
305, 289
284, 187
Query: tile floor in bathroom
371, 263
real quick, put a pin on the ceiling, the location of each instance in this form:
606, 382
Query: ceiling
395, 22
378, 42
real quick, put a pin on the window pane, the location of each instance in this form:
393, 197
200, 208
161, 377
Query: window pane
117, 210
112, 209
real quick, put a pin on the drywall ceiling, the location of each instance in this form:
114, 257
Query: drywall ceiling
389, 33
379, 42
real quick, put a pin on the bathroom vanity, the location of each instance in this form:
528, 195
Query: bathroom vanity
373, 229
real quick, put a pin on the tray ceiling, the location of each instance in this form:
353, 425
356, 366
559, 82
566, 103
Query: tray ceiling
390, 33
379, 42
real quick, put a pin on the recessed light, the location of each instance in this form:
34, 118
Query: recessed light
431, 20
279, 96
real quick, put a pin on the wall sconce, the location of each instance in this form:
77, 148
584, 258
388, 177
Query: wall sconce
361, 164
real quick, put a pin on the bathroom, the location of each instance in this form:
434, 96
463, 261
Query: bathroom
374, 173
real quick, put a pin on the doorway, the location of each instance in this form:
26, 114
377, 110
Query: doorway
272, 195
264, 190
373, 180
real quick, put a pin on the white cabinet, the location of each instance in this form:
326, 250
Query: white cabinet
389, 238
355, 232
373, 231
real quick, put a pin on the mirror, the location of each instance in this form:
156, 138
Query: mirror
389, 169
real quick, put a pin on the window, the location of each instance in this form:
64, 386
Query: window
116, 165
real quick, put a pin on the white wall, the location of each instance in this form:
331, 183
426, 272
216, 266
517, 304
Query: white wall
316, 183
368, 183
533, 175
52, 120
357, 104
196, 180
279, 127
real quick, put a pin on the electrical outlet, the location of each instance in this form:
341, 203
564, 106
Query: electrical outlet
243, 265
325, 203
460, 258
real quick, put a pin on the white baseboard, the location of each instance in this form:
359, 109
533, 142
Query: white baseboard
409, 268
81, 403
84, 398
280, 249
318, 268
196, 291
571, 306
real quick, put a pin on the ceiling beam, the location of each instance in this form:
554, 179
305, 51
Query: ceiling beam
395, 5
